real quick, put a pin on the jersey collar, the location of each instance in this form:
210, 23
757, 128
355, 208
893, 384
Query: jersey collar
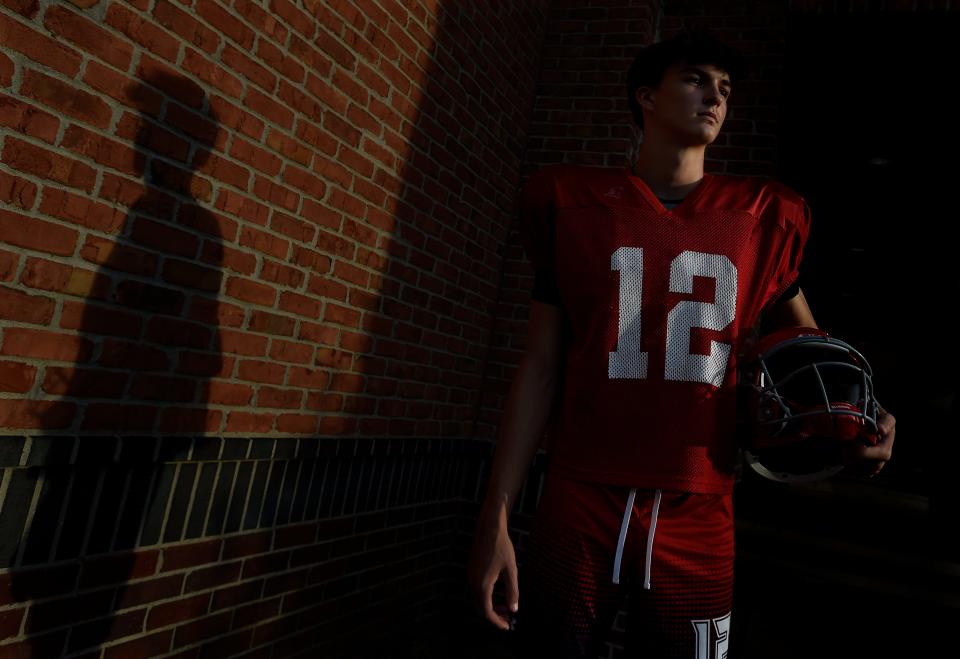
689, 202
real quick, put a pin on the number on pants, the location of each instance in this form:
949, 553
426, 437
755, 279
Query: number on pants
628, 361
716, 630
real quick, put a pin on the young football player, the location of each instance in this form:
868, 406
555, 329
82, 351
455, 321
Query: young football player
648, 279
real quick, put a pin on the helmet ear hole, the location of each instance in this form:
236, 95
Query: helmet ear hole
807, 397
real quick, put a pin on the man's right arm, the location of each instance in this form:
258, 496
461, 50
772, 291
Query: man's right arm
527, 410
532, 392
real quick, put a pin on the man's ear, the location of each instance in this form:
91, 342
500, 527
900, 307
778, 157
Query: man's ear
644, 96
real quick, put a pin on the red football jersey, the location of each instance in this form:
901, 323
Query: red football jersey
656, 304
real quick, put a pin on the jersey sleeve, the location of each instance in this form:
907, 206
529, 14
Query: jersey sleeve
797, 230
537, 234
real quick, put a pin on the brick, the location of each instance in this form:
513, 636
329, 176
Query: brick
170, 81
16, 191
38, 235
81, 210
239, 120
269, 323
265, 243
38, 414
164, 238
83, 382
330, 46
27, 8
145, 592
40, 344
211, 73
170, 613
97, 319
281, 274
256, 371
260, 159
209, 364
243, 343
297, 423
213, 576
214, 312
300, 305
9, 262
205, 628
250, 423
28, 119
108, 417
17, 378
150, 136
293, 227
25, 308
221, 169
310, 378
65, 98
269, 109
142, 32
110, 628
228, 393
117, 256
181, 23
118, 569
88, 36
206, 221
190, 275
39, 47
10, 622
192, 555
279, 398
261, 20
242, 206
51, 276
226, 23
116, 354
275, 194
289, 146
38, 583
288, 351
38, 161
248, 68
171, 332
298, 20
158, 387
190, 420
145, 646
280, 61
318, 63
104, 151
251, 291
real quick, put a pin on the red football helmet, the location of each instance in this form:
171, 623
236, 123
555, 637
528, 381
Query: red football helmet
804, 396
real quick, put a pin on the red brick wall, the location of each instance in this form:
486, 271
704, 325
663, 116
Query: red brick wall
233, 218
268, 217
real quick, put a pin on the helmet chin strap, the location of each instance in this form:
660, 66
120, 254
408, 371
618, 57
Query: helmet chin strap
781, 477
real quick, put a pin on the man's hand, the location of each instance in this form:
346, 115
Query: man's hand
867, 460
492, 557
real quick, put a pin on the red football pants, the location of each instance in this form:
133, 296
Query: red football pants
671, 553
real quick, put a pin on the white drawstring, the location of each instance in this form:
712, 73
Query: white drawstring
623, 535
653, 529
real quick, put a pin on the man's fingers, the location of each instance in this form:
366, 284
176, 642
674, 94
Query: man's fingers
513, 590
488, 611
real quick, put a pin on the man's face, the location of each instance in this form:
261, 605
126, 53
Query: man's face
690, 103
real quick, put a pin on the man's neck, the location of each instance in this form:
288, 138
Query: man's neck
669, 171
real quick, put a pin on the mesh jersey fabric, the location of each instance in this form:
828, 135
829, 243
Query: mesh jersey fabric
655, 302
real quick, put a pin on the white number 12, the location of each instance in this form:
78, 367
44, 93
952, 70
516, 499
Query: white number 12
628, 361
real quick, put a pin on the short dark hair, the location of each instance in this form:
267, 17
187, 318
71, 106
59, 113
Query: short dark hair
693, 48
